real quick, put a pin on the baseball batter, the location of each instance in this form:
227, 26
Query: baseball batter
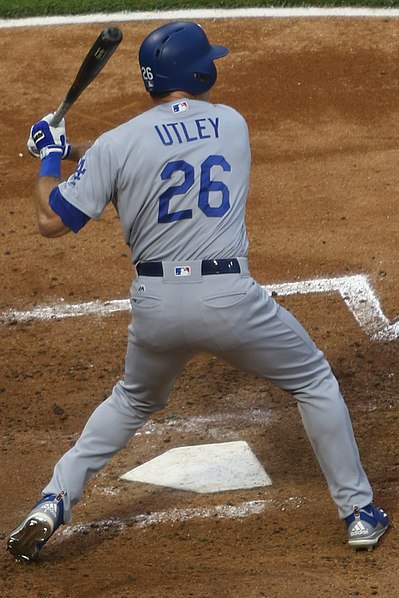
178, 177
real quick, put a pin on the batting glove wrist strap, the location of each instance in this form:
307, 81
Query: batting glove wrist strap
51, 164
63, 150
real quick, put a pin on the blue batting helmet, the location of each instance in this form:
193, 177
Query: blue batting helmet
178, 56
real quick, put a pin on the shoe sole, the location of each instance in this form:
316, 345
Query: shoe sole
23, 542
368, 543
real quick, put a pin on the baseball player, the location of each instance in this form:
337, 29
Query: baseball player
178, 177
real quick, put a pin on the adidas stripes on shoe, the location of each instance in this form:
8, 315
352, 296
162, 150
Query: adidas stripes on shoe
366, 526
26, 540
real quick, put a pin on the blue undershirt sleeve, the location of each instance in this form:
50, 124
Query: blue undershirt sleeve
70, 216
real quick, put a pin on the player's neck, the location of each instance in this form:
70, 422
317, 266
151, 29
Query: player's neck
178, 95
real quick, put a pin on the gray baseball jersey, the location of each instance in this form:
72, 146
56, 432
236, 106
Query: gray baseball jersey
180, 167
178, 176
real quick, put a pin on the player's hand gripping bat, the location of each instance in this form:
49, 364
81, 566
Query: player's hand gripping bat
96, 58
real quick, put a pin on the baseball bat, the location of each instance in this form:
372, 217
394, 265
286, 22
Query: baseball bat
96, 58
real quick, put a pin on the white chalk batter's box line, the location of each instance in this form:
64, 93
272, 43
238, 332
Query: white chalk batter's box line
227, 511
356, 291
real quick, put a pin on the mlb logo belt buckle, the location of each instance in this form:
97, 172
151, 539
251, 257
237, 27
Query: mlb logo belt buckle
182, 271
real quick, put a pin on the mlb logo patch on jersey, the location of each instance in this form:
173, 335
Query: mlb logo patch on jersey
182, 271
180, 107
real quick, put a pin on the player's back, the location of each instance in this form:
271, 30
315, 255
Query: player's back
183, 180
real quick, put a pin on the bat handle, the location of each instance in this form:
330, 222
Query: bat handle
59, 114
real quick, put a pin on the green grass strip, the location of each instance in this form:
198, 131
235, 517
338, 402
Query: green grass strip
31, 8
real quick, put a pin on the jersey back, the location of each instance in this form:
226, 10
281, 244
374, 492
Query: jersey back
178, 175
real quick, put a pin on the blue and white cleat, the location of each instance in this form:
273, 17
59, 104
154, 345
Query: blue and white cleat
26, 540
366, 526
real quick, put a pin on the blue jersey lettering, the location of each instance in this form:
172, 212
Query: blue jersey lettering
162, 132
187, 132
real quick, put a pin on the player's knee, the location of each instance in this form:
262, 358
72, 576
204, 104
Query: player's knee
144, 399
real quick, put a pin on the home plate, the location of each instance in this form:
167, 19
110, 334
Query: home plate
203, 468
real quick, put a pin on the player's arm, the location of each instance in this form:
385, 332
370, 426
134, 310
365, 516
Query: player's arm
49, 222
55, 217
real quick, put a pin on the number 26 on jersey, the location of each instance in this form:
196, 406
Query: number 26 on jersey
207, 186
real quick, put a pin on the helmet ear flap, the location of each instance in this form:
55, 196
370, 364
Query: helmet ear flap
206, 79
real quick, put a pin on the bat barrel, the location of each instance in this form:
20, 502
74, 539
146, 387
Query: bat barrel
95, 60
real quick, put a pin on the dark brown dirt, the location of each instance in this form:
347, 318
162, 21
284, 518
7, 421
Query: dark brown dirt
321, 100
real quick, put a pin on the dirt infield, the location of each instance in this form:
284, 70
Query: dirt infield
321, 100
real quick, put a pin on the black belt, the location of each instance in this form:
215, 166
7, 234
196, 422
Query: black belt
223, 266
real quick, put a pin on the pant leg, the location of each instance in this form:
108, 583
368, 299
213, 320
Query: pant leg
275, 346
149, 377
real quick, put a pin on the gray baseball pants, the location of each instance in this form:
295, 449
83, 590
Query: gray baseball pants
232, 317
